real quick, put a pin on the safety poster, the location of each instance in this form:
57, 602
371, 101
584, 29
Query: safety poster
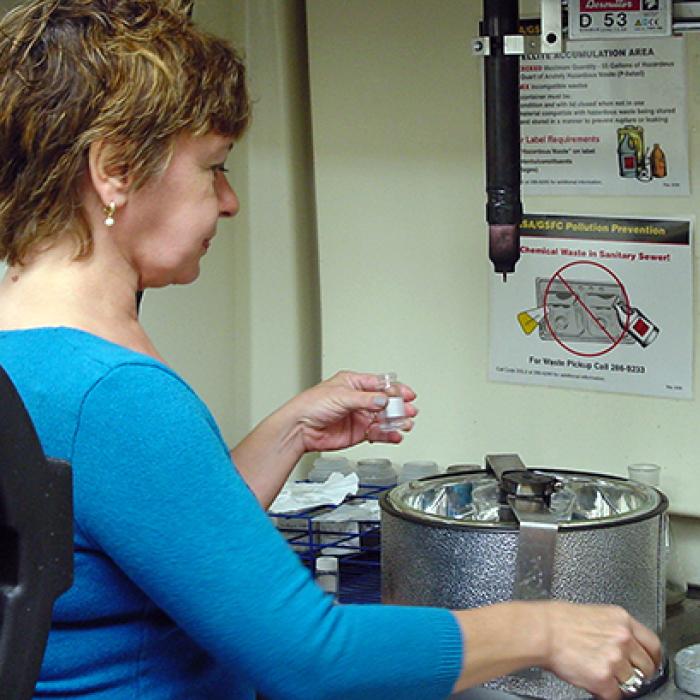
606, 118
597, 303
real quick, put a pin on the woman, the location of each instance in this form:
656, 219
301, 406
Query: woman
116, 118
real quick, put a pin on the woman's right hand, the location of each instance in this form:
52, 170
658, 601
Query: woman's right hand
595, 647
598, 647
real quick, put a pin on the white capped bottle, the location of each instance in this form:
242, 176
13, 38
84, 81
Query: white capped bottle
393, 417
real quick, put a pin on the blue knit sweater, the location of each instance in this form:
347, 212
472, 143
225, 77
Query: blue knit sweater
183, 587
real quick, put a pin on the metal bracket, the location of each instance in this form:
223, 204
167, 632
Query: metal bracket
550, 26
513, 45
481, 46
501, 464
528, 496
548, 41
534, 562
535, 559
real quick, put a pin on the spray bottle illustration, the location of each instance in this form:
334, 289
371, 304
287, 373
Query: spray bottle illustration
635, 323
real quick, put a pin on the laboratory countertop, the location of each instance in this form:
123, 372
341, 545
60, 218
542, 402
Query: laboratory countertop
682, 629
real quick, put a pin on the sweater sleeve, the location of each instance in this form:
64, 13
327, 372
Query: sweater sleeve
157, 491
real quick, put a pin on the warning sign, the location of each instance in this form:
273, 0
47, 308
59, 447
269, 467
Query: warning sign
597, 322
608, 306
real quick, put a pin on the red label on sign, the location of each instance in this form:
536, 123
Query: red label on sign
609, 5
641, 327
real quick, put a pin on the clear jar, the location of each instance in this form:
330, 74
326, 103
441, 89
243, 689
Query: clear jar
676, 581
393, 417
325, 466
376, 472
417, 469
456, 468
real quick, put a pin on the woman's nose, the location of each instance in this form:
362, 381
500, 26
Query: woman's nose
228, 199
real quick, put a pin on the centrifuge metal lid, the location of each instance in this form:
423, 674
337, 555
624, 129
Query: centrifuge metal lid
581, 500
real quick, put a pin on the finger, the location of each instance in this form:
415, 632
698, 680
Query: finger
629, 660
642, 660
642, 663
354, 400
649, 643
407, 393
372, 401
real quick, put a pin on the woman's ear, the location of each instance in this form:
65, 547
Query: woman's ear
110, 181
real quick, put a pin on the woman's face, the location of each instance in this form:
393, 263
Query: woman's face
167, 225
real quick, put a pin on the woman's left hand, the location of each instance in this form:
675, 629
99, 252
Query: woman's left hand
335, 414
344, 410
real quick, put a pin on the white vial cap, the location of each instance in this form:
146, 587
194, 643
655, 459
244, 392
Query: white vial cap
327, 573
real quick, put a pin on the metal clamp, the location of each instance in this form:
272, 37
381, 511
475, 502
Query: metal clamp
528, 494
548, 41
535, 559
550, 27
534, 563
513, 45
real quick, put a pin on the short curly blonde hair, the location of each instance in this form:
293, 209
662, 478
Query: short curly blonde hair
133, 73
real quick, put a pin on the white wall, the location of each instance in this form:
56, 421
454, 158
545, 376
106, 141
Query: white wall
398, 145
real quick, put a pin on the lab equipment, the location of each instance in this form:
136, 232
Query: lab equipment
393, 417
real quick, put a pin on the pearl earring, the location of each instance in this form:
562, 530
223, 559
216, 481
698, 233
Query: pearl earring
109, 210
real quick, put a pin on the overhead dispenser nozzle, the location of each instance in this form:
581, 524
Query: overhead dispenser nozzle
501, 45
502, 128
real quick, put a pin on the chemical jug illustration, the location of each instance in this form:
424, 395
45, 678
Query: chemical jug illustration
658, 161
630, 150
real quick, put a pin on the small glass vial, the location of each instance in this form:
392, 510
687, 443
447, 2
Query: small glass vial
393, 417
676, 580
417, 469
376, 472
323, 467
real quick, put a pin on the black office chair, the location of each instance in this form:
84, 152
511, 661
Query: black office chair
36, 544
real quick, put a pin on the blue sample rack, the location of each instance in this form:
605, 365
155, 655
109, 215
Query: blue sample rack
358, 552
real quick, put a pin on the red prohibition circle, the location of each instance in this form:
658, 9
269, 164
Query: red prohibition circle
557, 275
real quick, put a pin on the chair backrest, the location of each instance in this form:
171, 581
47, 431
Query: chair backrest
36, 544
